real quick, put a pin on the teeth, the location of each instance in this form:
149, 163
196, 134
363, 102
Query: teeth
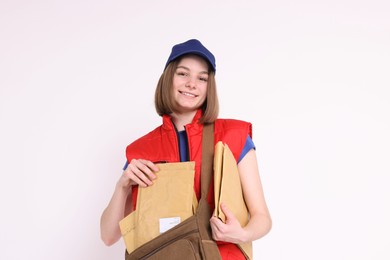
188, 94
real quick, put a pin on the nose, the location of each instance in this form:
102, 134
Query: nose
191, 82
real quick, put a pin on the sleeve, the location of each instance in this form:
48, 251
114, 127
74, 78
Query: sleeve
125, 166
247, 147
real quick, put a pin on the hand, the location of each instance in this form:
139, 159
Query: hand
138, 172
231, 231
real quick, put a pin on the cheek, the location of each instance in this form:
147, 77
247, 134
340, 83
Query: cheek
204, 90
177, 80
175, 85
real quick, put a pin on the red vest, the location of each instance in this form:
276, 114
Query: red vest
161, 145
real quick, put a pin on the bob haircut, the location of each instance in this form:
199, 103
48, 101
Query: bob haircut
163, 98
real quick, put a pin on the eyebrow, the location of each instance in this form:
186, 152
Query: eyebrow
184, 67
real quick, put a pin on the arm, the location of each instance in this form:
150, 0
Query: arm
260, 221
138, 172
120, 203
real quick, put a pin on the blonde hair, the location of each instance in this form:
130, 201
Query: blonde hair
163, 97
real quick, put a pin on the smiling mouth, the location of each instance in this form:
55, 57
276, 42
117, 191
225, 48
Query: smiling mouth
187, 94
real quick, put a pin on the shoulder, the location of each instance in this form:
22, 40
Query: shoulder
234, 126
234, 133
144, 140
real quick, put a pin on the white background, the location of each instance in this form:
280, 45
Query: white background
77, 80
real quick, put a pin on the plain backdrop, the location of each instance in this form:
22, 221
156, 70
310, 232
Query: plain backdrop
77, 80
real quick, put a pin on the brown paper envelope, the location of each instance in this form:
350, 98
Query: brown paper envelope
227, 188
218, 160
127, 227
170, 197
228, 185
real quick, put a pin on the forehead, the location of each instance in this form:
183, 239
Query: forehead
194, 61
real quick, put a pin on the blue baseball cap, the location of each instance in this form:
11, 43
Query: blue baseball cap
192, 46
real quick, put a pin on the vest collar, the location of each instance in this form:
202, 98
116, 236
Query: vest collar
168, 124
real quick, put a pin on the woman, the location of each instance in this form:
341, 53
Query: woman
186, 98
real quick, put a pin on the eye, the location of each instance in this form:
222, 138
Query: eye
182, 73
204, 79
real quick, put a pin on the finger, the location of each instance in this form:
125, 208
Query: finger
217, 223
147, 167
151, 165
215, 229
133, 178
138, 175
139, 181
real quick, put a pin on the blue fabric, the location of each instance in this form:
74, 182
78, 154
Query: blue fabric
183, 146
193, 46
247, 147
125, 166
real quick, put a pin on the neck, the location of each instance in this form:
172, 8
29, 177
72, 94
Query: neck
182, 119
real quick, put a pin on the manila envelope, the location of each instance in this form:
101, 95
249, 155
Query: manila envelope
227, 189
166, 203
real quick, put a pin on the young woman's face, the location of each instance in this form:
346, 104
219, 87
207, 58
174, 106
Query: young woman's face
190, 83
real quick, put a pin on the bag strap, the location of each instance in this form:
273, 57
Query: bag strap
207, 158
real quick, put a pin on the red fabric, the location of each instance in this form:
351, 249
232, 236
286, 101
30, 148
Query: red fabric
230, 251
161, 145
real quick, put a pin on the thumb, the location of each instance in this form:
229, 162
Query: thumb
228, 214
